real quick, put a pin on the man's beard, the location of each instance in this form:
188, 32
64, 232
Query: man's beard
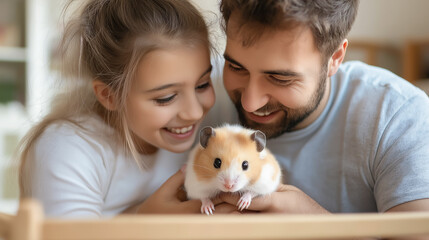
291, 118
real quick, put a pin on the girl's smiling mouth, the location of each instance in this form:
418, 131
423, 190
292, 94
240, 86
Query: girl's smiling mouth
181, 130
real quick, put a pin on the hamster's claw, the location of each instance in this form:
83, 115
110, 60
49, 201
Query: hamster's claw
244, 201
207, 206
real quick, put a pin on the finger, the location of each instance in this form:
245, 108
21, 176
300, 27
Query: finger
285, 188
217, 200
172, 184
231, 198
261, 203
264, 203
183, 168
247, 211
181, 195
236, 212
190, 206
225, 208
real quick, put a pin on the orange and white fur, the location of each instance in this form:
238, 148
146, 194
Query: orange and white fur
231, 159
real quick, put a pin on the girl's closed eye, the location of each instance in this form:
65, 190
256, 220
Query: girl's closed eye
169, 98
203, 86
165, 100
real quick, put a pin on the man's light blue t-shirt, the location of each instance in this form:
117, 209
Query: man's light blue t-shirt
369, 149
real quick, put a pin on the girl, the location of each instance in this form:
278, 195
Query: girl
139, 87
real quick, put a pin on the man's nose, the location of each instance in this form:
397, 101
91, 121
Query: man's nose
254, 96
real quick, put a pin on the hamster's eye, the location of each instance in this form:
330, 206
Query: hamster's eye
245, 165
217, 163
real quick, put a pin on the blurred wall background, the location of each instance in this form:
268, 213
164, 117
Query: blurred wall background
393, 34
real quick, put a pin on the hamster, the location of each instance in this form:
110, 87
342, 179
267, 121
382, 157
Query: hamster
230, 158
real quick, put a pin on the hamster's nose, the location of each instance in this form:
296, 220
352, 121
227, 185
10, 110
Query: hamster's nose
228, 184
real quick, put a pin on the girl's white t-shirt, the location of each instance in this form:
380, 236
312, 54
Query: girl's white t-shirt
83, 171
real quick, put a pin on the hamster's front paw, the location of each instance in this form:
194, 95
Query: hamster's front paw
207, 206
244, 201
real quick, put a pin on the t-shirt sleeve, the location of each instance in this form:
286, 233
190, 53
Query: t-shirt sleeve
401, 170
67, 175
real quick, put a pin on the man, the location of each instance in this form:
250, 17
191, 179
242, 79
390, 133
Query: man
349, 137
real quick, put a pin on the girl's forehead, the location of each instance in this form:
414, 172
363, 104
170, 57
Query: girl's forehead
180, 65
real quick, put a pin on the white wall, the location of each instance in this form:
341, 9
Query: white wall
210, 10
384, 21
392, 21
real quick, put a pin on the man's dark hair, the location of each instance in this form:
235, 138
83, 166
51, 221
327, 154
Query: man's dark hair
329, 20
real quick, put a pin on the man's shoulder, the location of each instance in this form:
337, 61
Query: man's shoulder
371, 94
360, 79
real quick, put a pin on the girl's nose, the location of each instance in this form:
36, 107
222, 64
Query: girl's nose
192, 109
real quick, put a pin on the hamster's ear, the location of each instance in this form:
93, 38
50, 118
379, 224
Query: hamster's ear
205, 134
260, 139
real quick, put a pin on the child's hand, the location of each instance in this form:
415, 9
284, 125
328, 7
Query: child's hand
170, 198
287, 199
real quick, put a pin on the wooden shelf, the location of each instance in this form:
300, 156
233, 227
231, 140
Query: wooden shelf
372, 50
413, 59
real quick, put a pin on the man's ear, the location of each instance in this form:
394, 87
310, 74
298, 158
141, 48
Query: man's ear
337, 58
104, 95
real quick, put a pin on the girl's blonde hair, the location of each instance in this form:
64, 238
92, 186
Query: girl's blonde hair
105, 40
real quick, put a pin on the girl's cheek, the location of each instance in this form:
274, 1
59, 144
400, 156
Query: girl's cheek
210, 99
